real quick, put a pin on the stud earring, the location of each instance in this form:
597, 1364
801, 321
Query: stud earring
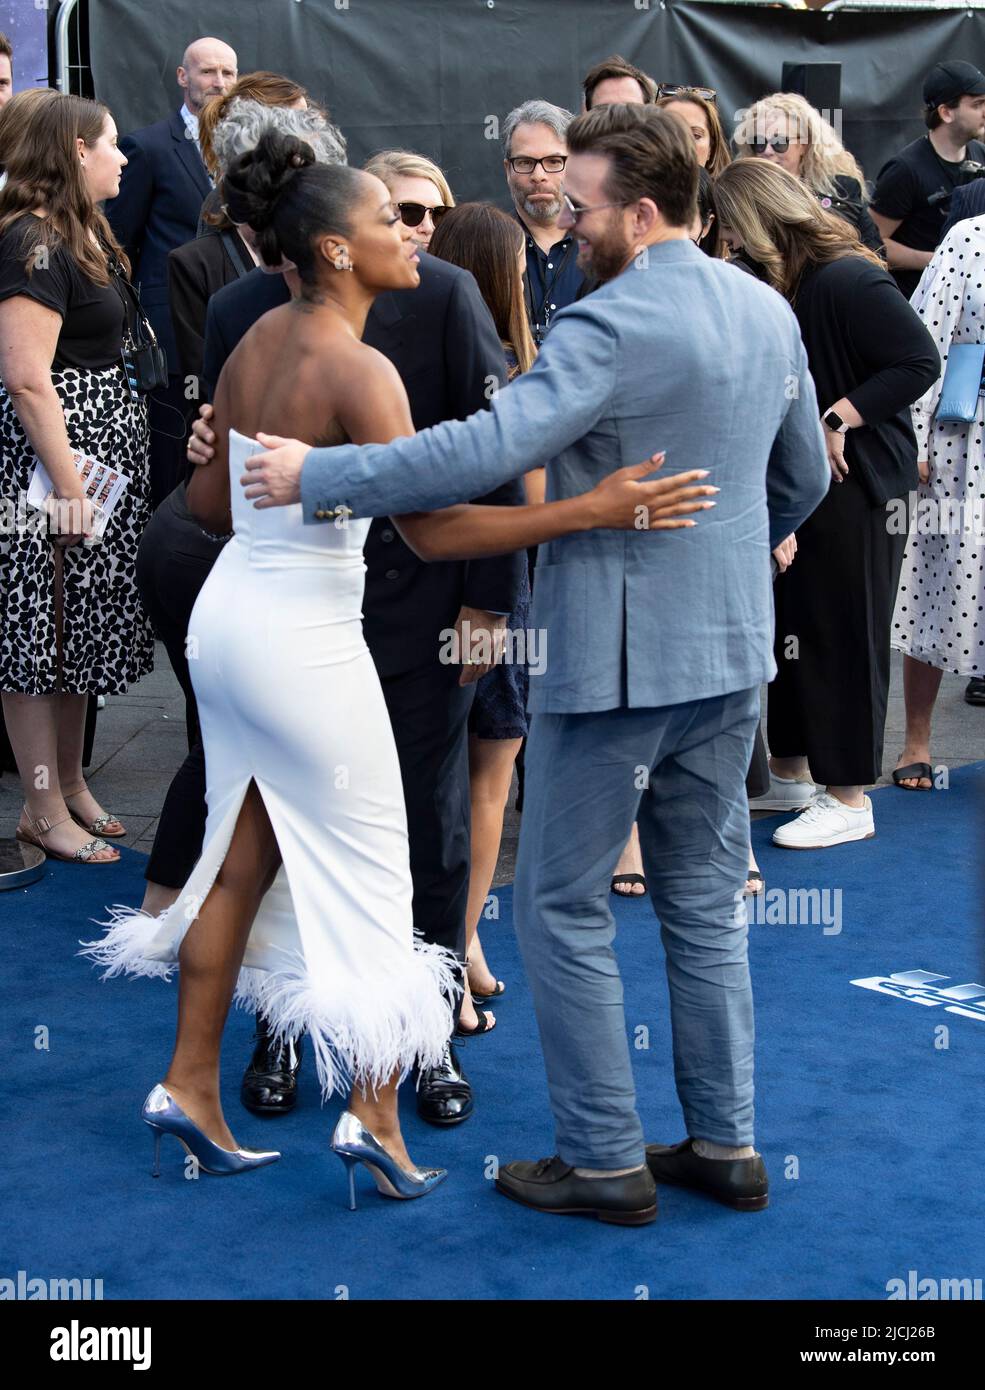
342, 261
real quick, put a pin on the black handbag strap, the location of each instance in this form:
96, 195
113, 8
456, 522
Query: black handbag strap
138, 324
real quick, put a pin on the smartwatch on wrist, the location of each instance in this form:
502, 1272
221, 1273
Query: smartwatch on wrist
834, 422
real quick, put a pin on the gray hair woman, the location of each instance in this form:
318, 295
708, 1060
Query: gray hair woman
223, 252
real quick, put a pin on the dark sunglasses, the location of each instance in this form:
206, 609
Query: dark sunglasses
671, 89
413, 214
759, 144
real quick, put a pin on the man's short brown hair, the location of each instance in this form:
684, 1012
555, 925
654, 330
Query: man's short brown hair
6, 48
652, 155
617, 66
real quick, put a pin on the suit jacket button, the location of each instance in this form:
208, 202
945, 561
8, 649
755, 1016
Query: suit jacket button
320, 514
393, 574
386, 535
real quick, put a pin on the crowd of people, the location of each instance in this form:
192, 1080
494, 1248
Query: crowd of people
394, 439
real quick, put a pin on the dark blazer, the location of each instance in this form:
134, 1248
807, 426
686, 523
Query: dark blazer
442, 340
966, 201
157, 209
195, 272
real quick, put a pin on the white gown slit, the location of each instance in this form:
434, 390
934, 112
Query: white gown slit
288, 697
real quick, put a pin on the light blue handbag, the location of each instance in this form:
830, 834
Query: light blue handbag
962, 383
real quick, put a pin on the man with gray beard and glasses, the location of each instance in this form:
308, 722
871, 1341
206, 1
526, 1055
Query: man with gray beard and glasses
534, 155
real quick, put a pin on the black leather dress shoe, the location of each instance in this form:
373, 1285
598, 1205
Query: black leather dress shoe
552, 1185
270, 1082
738, 1182
444, 1096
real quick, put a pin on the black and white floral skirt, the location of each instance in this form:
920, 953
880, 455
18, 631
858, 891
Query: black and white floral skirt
107, 641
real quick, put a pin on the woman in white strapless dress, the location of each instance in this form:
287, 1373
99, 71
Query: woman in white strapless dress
300, 905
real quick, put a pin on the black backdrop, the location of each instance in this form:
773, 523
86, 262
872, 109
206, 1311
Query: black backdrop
436, 76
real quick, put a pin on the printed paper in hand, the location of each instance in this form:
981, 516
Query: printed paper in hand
104, 486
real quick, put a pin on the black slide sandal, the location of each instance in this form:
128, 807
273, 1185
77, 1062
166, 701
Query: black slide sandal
914, 770
627, 878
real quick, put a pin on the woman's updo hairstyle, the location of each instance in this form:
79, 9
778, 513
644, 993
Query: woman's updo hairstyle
289, 199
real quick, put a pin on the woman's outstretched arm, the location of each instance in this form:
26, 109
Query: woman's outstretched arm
376, 411
620, 501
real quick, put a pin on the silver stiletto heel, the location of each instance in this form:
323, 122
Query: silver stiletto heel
165, 1116
354, 1143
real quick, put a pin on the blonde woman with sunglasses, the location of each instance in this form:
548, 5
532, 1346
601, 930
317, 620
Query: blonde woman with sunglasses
419, 190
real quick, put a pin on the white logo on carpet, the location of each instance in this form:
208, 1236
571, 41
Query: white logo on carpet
917, 986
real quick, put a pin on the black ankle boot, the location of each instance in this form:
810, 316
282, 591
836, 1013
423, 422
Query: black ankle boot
270, 1082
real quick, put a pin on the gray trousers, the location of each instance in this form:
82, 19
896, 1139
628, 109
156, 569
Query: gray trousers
679, 771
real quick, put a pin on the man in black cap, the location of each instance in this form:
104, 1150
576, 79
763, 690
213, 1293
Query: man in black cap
910, 203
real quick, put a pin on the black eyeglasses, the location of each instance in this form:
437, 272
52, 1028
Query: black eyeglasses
759, 144
413, 214
671, 89
551, 164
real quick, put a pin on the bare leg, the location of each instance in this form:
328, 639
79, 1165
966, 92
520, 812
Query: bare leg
630, 862
379, 1114
491, 763
791, 767
36, 725
210, 959
920, 686
158, 899
71, 740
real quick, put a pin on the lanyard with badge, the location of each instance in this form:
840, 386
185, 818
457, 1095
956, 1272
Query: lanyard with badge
540, 318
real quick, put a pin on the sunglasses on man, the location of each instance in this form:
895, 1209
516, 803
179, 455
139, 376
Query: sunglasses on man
672, 89
413, 214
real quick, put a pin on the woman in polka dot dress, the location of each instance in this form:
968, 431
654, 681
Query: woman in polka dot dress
940, 606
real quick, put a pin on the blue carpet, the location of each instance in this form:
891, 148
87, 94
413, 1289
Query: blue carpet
870, 1128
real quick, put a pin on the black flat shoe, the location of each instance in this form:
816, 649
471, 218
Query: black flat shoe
444, 1096
974, 691
552, 1185
270, 1082
738, 1182
754, 877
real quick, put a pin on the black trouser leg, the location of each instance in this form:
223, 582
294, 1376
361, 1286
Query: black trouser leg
173, 562
429, 714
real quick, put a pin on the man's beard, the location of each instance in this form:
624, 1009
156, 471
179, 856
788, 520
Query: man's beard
542, 212
607, 258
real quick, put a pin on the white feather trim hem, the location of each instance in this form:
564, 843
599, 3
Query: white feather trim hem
361, 1030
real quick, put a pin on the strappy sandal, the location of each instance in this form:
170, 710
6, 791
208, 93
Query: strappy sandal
629, 879
483, 1026
479, 997
755, 877
85, 854
98, 826
911, 771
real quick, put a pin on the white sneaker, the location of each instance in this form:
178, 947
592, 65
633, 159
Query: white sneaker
785, 794
827, 821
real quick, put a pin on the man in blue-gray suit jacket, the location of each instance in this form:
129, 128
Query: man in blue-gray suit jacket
156, 210
655, 649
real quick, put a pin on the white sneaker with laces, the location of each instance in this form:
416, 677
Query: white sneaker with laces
827, 821
785, 794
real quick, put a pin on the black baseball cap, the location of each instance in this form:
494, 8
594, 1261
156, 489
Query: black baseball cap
951, 81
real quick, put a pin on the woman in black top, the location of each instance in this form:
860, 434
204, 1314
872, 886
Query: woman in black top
72, 623
870, 357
